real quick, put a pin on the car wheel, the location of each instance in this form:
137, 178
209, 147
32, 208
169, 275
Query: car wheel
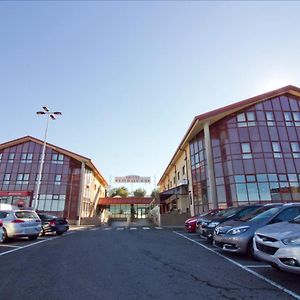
59, 232
4, 237
250, 250
33, 237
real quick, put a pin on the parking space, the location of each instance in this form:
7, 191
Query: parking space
287, 282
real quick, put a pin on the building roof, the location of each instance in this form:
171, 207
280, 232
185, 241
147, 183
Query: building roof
75, 156
218, 114
128, 200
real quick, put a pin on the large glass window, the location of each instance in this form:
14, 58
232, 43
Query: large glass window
295, 149
57, 158
26, 157
246, 150
276, 149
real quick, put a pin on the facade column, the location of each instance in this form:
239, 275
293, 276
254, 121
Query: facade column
80, 195
212, 192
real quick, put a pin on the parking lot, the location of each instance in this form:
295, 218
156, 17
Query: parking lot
263, 273
287, 282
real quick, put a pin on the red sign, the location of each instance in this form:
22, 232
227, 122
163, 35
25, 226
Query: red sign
15, 193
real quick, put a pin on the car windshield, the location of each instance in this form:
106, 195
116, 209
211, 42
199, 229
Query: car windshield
26, 215
228, 212
255, 213
265, 215
296, 220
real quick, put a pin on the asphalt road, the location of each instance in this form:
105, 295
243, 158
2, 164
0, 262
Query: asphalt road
141, 263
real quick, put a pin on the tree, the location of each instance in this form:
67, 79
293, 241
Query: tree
139, 192
120, 191
155, 193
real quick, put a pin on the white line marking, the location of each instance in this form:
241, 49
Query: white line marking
158, 227
94, 229
27, 246
11, 246
107, 228
258, 266
146, 228
120, 228
132, 228
271, 282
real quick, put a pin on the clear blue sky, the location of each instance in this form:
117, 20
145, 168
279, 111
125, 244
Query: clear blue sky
130, 76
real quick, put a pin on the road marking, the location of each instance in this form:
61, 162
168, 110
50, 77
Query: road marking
245, 268
120, 228
132, 228
27, 246
158, 227
107, 228
258, 266
94, 229
146, 228
4, 245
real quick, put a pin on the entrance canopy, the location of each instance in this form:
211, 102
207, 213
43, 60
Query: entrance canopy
128, 200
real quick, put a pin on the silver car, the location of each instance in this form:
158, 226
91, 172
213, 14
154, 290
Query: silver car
279, 244
20, 223
237, 236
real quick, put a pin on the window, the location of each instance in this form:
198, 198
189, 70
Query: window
246, 150
270, 118
292, 119
1, 156
26, 158
22, 178
246, 119
276, 150
295, 149
57, 179
174, 179
11, 157
6, 178
57, 158
296, 116
178, 175
183, 170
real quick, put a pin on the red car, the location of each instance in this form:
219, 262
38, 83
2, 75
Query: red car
191, 223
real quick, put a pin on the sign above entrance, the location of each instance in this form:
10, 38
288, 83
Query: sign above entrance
15, 193
132, 179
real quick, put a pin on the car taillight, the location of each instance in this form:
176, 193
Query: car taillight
52, 223
1, 223
17, 221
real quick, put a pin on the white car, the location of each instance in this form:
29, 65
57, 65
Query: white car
279, 244
20, 223
1, 232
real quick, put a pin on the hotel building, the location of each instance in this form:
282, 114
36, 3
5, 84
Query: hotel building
245, 152
70, 185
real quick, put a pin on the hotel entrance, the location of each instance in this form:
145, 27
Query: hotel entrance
17, 198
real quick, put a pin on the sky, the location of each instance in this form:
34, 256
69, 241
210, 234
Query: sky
130, 76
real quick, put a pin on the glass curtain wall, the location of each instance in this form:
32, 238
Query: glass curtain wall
256, 153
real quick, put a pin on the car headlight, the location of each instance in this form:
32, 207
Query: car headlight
293, 241
238, 230
213, 224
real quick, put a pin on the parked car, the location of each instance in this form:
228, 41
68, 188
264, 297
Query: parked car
52, 223
237, 236
1, 231
20, 223
191, 223
279, 244
207, 227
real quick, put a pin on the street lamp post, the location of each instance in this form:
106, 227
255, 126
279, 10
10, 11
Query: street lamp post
52, 116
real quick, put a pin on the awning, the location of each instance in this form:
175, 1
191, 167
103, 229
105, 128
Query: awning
129, 200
